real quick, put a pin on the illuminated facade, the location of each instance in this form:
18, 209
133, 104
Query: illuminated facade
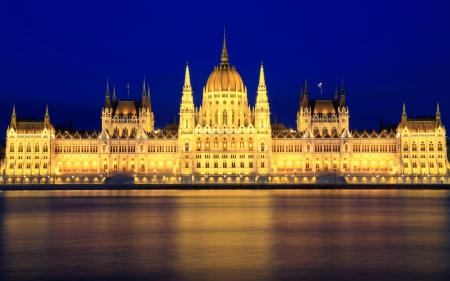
224, 139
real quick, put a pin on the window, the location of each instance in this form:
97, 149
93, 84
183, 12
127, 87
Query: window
11, 148
207, 165
216, 142
414, 146
405, 146
262, 147
262, 164
216, 164
186, 164
431, 147
198, 165
186, 147
28, 147
250, 164
224, 164
422, 146
439, 146
233, 164
242, 164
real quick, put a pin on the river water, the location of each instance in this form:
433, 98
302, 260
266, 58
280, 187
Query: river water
225, 235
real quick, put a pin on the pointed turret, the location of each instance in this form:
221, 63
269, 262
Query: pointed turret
404, 116
144, 95
14, 118
336, 94
262, 90
438, 116
47, 118
342, 102
187, 80
305, 95
114, 94
224, 56
301, 96
107, 99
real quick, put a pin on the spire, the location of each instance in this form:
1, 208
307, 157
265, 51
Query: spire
114, 93
224, 56
438, 116
301, 96
187, 80
107, 100
336, 94
13, 117
262, 90
47, 118
144, 95
404, 116
342, 103
262, 80
305, 95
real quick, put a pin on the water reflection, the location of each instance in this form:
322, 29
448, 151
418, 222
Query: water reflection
225, 235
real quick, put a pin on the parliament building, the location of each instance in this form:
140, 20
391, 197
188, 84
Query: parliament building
225, 140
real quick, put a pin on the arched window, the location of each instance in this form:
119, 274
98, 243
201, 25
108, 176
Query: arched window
422, 146
186, 146
20, 147
241, 143
414, 146
224, 143
45, 148
250, 144
216, 122
36, 148
346, 147
199, 144
333, 130
11, 148
224, 116
103, 148
308, 148
28, 147
405, 146
216, 142
207, 143
315, 130
324, 130
431, 146
439, 146
233, 142
262, 147
141, 148
232, 117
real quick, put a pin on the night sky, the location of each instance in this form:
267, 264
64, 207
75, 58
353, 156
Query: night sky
61, 53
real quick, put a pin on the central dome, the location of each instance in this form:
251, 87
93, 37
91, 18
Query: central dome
224, 76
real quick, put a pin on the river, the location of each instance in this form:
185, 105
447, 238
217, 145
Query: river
225, 235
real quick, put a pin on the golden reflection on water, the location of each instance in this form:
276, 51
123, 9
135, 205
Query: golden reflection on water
225, 234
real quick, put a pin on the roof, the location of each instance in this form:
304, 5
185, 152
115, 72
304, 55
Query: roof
225, 78
323, 106
126, 107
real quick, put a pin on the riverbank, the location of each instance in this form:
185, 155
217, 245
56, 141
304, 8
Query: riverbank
220, 187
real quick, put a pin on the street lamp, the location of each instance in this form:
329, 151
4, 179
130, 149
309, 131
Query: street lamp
73, 180
403, 178
377, 179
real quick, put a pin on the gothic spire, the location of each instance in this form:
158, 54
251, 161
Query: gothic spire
107, 100
13, 118
224, 56
305, 95
262, 90
187, 80
144, 95
342, 102
438, 116
47, 118
114, 93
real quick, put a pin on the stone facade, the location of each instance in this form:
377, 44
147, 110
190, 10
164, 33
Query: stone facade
225, 140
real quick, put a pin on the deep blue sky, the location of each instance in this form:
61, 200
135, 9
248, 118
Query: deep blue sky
60, 53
